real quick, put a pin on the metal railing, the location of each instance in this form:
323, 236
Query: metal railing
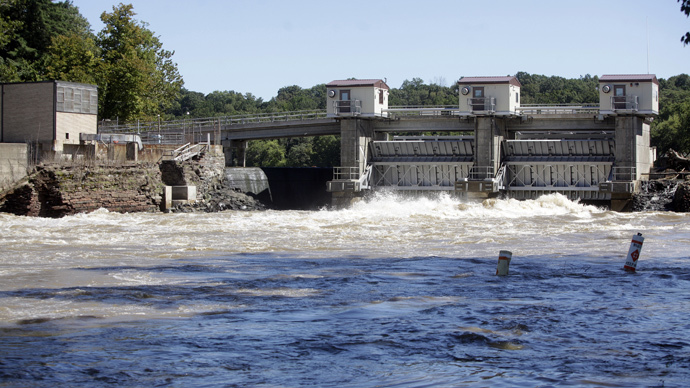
536, 109
412, 110
347, 107
208, 124
481, 173
188, 151
624, 103
623, 174
482, 104
345, 173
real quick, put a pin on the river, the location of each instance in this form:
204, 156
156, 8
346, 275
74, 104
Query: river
391, 292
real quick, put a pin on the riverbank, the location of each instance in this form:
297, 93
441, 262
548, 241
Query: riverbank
54, 190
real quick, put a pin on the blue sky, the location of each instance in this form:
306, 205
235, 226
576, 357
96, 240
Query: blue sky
260, 46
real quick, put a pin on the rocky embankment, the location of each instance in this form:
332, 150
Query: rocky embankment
669, 193
57, 191
681, 198
663, 195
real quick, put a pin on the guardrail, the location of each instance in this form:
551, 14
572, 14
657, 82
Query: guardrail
481, 173
536, 109
482, 104
416, 110
347, 107
208, 124
346, 173
623, 174
625, 102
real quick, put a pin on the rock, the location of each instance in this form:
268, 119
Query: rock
655, 195
221, 200
681, 199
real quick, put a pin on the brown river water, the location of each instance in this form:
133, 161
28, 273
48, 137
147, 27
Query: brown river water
392, 292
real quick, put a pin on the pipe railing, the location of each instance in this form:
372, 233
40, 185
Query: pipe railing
482, 104
347, 107
206, 124
557, 108
421, 110
624, 102
346, 173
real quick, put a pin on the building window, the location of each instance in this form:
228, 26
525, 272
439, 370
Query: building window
66, 135
75, 99
380, 96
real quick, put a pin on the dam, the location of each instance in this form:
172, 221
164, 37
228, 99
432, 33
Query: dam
488, 145
491, 145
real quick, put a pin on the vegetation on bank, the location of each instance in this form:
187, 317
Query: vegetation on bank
138, 79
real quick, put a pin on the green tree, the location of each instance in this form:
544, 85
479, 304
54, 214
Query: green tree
672, 128
140, 78
326, 151
8, 33
417, 93
294, 98
673, 132
28, 27
540, 89
74, 58
685, 8
300, 155
265, 153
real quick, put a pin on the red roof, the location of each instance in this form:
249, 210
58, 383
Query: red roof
629, 78
359, 82
489, 80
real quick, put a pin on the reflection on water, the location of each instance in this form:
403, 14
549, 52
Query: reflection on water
391, 293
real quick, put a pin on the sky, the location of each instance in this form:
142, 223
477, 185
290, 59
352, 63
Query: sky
261, 46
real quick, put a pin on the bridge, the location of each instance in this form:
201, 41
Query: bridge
487, 145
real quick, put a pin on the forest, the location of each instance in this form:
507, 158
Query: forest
138, 79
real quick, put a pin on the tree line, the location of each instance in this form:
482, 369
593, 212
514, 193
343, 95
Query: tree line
45, 40
138, 79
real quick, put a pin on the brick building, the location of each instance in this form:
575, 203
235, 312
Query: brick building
49, 115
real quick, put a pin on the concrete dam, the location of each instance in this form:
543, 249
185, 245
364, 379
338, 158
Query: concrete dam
490, 144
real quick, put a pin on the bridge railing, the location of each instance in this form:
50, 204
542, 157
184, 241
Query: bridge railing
536, 109
207, 124
423, 110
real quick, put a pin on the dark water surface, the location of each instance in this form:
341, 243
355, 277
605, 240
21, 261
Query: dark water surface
391, 293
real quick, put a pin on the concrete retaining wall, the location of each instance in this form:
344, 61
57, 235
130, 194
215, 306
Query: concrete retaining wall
14, 163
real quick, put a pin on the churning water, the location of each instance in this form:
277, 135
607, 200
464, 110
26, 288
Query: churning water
389, 293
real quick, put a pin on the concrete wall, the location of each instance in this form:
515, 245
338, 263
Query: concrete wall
14, 163
633, 144
355, 135
28, 112
645, 155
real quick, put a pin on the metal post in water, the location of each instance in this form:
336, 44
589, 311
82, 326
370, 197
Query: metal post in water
504, 258
634, 253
